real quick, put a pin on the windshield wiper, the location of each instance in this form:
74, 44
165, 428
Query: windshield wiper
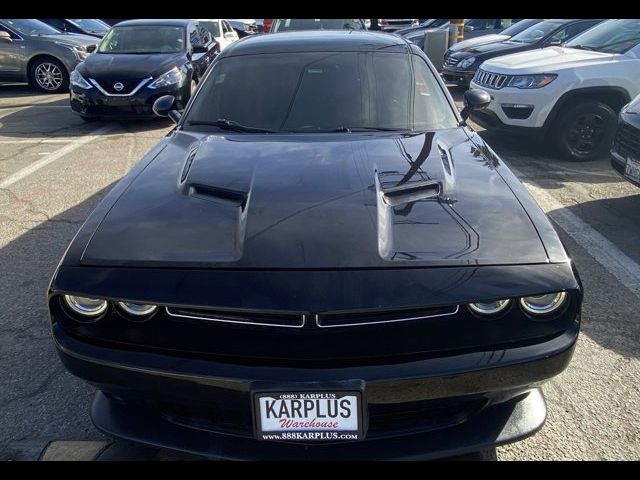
582, 47
343, 128
226, 124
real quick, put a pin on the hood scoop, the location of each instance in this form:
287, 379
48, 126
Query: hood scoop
409, 192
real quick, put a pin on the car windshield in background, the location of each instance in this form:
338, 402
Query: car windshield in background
535, 32
323, 92
212, 27
518, 27
141, 39
31, 27
90, 24
289, 24
613, 36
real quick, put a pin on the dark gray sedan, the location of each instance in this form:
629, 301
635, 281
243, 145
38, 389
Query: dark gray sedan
32, 51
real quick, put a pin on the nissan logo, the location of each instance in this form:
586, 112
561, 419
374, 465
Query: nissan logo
118, 86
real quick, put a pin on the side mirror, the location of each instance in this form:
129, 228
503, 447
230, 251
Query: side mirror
5, 36
555, 42
468, 28
163, 107
91, 48
474, 99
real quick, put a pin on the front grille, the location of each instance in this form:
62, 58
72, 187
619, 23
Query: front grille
269, 319
390, 419
627, 141
349, 319
451, 62
490, 80
405, 418
128, 86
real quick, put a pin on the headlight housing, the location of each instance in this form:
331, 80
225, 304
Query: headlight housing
78, 80
85, 306
79, 52
467, 62
174, 76
532, 81
543, 304
138, 310
489, 308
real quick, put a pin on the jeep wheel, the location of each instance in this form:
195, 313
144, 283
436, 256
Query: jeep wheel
585, 131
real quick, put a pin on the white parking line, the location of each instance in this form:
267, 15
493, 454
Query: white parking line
53, 156
616, 262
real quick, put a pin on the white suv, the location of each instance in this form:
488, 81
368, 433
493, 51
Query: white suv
570, 94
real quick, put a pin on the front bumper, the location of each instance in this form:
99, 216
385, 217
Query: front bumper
488, 120
92, 103
160, 399
459, 77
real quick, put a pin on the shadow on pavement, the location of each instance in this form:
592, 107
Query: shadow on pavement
39, 399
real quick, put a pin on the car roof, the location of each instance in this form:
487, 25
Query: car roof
318, 41
154, 22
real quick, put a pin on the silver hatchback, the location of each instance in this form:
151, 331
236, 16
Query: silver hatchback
32, 51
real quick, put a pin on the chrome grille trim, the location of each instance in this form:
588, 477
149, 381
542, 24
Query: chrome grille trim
303, 320
490, 80
377, 322
142, 83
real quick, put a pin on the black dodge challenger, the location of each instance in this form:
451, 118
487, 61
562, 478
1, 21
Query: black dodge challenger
321, 261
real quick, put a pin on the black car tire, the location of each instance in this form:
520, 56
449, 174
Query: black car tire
584, 131
56, 82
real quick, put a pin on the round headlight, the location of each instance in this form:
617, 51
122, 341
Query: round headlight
87, 307
489, 308
138, 309
467, 62
543, 304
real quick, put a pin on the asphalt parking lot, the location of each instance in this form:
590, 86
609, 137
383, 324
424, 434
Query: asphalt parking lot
54, 169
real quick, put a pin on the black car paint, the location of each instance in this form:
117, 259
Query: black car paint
627, 141
488, 51
130, 69
180, 373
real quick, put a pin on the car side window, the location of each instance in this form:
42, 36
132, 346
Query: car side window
205, 36
566, 33
194, 36
481, 23
56, 23
431, 110
226, 27
11, 34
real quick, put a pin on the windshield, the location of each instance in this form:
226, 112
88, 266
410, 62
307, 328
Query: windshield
612, 36
323, 92
535, 32
143, 39
288, 24
30, 27
519, 26
90, 24
212, 26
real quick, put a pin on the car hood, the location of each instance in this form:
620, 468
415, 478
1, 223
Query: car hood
77, 39
319, 201
122, 67
550, 59
489, 50
482, 40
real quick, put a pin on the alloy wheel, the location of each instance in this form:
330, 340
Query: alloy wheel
49, 76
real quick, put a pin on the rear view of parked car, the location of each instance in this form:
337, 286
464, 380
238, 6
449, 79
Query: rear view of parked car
86, 26
292, 24
625, 154
137, 62
34, 52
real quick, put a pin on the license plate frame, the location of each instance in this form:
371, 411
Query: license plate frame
308, 434
632, 169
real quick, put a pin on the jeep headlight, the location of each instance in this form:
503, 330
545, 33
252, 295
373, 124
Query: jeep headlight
531, 81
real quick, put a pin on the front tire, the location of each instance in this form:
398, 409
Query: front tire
585, 131
49, 75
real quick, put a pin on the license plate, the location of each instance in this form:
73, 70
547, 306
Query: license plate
308, 416
632, 170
